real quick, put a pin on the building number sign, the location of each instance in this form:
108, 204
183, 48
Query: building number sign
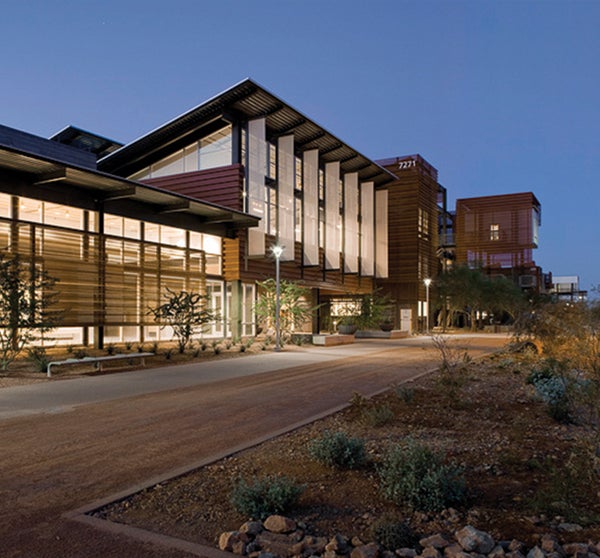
407, 164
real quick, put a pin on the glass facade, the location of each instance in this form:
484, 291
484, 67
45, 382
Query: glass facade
110, 269
213, 150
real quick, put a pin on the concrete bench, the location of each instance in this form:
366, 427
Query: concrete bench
97, 360
330, 340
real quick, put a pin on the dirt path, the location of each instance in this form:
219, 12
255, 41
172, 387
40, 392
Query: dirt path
52, 464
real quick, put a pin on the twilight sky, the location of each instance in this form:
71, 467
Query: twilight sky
500, 96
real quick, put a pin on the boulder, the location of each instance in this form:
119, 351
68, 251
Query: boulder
473, 540
279, 524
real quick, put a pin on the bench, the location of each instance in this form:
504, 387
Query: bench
99, 361
330, 340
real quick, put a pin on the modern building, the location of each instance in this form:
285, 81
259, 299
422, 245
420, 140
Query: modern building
196, 204
199, 202
321, 200
419, 237
499, 234
567, 289
114, 244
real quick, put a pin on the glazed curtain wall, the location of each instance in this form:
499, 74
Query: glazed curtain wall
108, 278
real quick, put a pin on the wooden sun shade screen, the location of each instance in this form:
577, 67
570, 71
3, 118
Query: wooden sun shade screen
497, 231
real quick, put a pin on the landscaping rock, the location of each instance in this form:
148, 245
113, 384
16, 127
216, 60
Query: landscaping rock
536, 552
431, 552
274, 542
497, 552
569, 527
281, 537
473, 540
252, 528
436, 541
279, 524
231, 540
339, 545
454, 551
370, 550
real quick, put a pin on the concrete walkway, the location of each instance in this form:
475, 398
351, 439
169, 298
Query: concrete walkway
64, 395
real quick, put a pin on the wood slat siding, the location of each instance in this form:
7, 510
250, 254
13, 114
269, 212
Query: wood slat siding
416, 187
222, 185
513, 214
237, 266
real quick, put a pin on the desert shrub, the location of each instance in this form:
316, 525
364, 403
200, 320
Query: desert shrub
414, 475
154, 347
80, 353
265, 496
242, 348
250, 342
228, 345
454, 362
39, 358
563, 391
358, 402
111, 349
392, 534
377, 414
128, 345
140, 348
203, 346
338, 450
553, 392
404, 393
168, 354
566, 486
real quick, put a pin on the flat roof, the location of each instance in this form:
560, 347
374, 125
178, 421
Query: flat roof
246, 100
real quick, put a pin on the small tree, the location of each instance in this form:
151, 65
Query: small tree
294, 307
27, 295
186, 312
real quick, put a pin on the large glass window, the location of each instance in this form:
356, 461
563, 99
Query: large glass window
5, 206
215, 149
109, 279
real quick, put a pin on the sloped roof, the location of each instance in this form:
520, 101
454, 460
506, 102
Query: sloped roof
246, 100
40, 163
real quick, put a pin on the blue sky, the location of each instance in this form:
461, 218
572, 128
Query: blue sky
499, 96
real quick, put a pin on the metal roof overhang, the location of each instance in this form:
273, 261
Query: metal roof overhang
246, 100
121, 196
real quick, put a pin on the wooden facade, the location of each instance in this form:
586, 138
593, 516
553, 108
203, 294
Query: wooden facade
413, 237
499, 233
221, 185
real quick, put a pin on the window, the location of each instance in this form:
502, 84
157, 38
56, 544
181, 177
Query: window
298, 173
215, 149
494, 231
423, 223
271, 161
271, 210
298, 220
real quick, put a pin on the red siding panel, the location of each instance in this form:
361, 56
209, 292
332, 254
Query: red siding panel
222, 185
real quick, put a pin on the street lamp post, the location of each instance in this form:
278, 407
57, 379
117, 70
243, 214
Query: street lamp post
427, 285
277, 251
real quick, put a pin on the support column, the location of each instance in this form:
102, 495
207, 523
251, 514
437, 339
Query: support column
237, 300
